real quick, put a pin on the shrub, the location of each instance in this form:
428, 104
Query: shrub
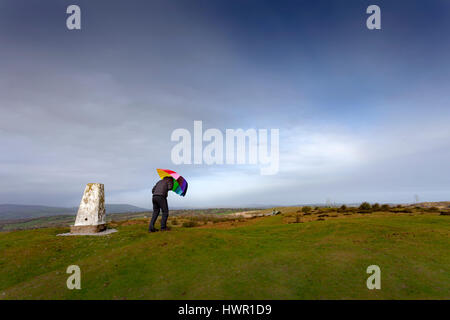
174, 222
385, 207
365, 206
190, 224
376, 207
306, 209
343, 207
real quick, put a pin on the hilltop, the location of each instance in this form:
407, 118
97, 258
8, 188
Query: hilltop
319, 254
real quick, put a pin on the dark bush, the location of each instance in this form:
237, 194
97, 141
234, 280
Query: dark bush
306, 209
385, 207
376, 207
190, 224
401, 211
365, 206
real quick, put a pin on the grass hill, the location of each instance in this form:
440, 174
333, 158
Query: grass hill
320, 254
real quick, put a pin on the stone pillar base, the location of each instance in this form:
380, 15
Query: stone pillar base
88, 229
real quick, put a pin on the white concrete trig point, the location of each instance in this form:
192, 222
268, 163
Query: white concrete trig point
91, 213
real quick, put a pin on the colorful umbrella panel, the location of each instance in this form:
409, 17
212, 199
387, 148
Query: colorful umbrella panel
180, 184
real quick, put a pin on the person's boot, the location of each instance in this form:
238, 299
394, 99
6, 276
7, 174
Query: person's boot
164, 218
153, 230
165, 229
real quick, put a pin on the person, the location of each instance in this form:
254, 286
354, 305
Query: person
159, 199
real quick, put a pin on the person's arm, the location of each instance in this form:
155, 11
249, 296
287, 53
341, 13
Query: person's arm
170, 185
153, 189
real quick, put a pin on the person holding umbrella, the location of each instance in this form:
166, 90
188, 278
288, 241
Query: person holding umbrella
170, 181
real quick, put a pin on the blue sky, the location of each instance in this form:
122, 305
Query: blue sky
363, 114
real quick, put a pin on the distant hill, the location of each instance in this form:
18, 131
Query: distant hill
18, 211
123, 208
437, 204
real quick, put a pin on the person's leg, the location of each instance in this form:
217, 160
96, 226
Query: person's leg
165, 213
155, 215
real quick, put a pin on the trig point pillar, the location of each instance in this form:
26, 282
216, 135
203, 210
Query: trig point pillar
91, 213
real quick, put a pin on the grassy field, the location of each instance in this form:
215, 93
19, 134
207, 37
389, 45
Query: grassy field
261, 258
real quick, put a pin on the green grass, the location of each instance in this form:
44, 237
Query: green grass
262, 258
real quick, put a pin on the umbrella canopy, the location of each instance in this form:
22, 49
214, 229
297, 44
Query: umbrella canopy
180, 185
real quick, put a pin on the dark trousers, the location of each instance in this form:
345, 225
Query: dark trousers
159, 203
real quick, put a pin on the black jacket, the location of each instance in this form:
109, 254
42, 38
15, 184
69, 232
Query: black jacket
162, 187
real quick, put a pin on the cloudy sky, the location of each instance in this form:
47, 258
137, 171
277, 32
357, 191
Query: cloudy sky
362, 114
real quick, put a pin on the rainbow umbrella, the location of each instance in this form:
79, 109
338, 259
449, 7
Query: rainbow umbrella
180, 185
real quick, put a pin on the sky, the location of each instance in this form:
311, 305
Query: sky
363, 115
